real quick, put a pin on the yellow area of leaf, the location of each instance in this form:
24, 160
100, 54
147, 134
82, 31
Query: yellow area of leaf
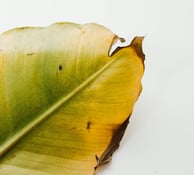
66, 101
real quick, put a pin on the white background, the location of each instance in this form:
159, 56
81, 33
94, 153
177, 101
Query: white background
160, 137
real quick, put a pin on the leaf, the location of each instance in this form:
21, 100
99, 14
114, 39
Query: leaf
65, 103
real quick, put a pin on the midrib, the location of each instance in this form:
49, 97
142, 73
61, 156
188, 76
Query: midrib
20, 134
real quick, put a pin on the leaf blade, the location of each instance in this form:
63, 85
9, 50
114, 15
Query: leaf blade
91, 95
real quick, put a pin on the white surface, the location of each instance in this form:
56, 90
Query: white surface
160, 137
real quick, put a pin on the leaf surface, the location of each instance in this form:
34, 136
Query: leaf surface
65, 103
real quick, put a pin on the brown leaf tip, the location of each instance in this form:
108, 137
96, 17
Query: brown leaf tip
136, 44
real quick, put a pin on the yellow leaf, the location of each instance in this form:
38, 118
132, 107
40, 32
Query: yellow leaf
65, 103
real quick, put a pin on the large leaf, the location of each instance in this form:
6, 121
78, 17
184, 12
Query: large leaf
65, 103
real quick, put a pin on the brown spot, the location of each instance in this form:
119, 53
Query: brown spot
60, 67
30, 54
88, 126
122, 40
25, 27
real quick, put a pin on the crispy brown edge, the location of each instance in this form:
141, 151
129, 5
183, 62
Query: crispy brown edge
113, 145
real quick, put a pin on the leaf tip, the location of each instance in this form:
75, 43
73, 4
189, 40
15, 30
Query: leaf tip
136, 44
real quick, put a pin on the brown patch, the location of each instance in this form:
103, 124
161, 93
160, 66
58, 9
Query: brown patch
23, 28
30, 54
136, 44
122, 40
113, 145
60, 67
88, 125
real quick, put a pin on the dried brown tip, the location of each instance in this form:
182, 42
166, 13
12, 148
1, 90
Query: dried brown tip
136, 43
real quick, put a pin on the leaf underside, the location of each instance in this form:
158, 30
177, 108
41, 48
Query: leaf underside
65, 103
